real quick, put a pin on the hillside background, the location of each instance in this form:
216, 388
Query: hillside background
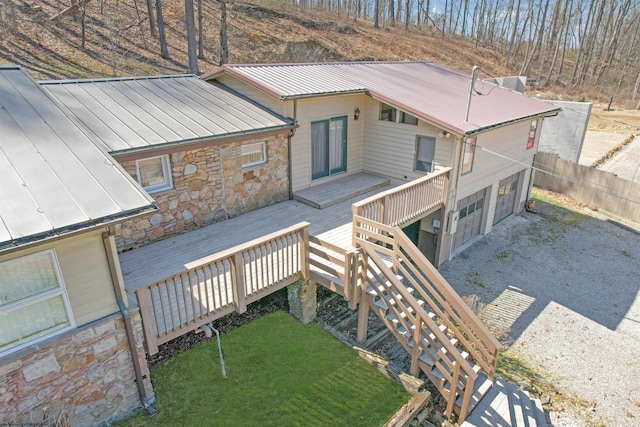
118, 42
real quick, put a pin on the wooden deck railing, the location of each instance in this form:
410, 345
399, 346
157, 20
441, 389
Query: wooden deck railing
222, 283
334, 268
445, 302
428, 339
406, 203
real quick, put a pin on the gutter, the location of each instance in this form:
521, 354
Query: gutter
118, 286
550, 113
70, 230
208, 140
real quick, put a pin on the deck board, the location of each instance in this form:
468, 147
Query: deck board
332, 193
167, 257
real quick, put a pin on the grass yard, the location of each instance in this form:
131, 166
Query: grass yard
279, 373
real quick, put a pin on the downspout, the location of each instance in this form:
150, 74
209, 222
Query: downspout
118, 286
291, 135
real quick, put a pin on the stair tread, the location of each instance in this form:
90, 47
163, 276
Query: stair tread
481, 387
541, 419
528, 408
500, 406
515, 406
491, 409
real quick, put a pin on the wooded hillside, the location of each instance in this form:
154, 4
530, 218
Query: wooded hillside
580, 48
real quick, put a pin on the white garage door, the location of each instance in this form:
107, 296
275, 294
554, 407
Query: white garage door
469, 218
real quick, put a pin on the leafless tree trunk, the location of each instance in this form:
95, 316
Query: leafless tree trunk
164, 51
513, 34
224, 48
376, 13
191, 36
152, 19
83, 27
200, 32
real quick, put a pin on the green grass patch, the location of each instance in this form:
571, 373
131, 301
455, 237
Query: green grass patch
279, 372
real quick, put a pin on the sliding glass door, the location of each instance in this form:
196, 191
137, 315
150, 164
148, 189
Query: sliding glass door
328, 147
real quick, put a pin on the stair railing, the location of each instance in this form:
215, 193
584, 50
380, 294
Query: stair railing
472, 334
457, 371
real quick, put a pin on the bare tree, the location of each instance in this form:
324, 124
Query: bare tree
224, 48
152, 19
200, 32
164, 51
191, 36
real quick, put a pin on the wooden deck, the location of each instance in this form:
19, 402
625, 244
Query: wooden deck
171, 256
346, 188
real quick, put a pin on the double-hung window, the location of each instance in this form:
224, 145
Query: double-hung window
532, 134
425, 152
387, 112
328, 147
469, 153
253, 154
33, 300
154, 174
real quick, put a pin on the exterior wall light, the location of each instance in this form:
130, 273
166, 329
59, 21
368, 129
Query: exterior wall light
356, 114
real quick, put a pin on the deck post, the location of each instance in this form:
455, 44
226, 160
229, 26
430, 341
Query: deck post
144, 302
302, 300
237, 272
363, 318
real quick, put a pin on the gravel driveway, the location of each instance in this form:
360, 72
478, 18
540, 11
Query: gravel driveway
565, 288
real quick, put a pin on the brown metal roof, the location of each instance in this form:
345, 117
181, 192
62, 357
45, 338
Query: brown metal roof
140, 113
53, 179
436, 94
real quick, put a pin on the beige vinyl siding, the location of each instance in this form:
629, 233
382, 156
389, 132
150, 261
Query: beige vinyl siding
322, 108
390, 147
488, 169
252, 93
85, 272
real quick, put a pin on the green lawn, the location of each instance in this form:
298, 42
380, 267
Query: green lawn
279, 373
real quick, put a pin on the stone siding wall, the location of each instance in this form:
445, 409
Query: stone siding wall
209, 185
88, 377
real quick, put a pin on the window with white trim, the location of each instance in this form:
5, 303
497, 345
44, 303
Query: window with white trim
425, 152
154, 173
33, 300
387, 112
469, 153
253, 154
532, 134
408, 119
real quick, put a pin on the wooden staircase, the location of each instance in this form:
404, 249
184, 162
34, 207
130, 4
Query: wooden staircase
444, 338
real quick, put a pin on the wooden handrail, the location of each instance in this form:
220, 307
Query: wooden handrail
218, 284
402, 204
451, 296
420, 312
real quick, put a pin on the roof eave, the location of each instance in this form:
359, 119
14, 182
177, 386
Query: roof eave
186, 143
549, 113
70, 230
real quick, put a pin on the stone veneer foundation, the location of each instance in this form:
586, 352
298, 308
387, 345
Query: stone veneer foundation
209, 185
88, 377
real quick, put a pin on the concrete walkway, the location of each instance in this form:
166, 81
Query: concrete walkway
564, 290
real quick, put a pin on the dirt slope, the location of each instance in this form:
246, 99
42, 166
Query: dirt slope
118, 42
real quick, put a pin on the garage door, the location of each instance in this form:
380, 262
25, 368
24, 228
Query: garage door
469, 218
506, 197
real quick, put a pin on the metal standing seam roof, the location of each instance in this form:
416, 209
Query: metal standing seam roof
53, 178
434, 93
140, 113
